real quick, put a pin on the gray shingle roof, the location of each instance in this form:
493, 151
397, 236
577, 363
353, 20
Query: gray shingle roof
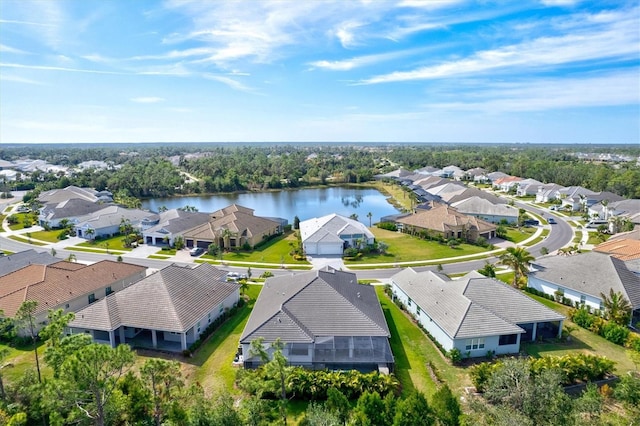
174, 221
473, 306
590, 273
172, 299
318, 229
15, 261
477, 205
73, 207
298, 308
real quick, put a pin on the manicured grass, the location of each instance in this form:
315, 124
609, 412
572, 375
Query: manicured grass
405, 248
274, 251
596, 238
516, 235
157, 256
215, 356
356, 267
21, 216
582, 340
412, 349
167, 252
21, 359
49, 236
114, 243
541, 237
506, 278
25, 239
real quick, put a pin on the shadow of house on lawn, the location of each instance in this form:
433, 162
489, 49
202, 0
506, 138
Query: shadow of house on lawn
402, 363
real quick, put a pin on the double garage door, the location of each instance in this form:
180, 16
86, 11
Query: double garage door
325, 249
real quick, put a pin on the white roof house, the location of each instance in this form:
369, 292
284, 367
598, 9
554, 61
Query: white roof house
486, 210
331, 234
474, 314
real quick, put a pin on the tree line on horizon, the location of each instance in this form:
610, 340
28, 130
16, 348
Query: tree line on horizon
147, 171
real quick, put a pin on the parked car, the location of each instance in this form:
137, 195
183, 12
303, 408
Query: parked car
531, 222
196, 251
552, 221
234, 276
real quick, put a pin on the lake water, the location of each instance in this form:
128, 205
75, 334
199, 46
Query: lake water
305, 203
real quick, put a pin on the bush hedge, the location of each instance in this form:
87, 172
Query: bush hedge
618, 334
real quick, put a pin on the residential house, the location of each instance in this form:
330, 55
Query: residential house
427, 170
4, 164
232, 227
547, 192
106, 222
465, 193
493, 176
13, 262
572, 196
475, 314
64, 285
449, 223
73, 210
582, 278
167, 310
89, 194
528, 187
331, 234
629, 209
477, 174
506, 184
624, 249
325, 319
447, 188
163, 228
9, 175
486, 210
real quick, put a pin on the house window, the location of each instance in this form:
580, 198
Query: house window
209, 317
508, 339
198, 327
583, 299
221, 308
108, 291
474, 344
66, 306
560, 291
601, 305
418, 310
92, 298
409, 302
299, 349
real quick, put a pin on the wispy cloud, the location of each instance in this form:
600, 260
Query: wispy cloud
619, 39
18, 79
362, 61
147, 100
8, 49
234, 84
65, 69
560, 2
612, 89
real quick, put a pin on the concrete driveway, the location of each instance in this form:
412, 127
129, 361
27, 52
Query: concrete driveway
320, 261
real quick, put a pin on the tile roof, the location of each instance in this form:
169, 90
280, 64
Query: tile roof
473, 306
444, 218
70, 192
73, 207
172, 299
301, 307
15, 261
469, 192
239, 220
111, 215
330, 227
590, 273
623, 249
58, 283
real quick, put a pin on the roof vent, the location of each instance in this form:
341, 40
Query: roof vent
358, 295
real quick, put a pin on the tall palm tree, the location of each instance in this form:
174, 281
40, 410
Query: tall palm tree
617, 308
518, 259
369, 215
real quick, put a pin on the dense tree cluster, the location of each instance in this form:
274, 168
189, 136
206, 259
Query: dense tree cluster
145, 171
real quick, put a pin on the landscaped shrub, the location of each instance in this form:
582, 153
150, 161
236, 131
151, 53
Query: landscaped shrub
615, 333
310, 385
389, 226
454, 355
582, 318
480, 374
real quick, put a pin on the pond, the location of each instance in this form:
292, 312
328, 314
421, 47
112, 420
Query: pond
304, 203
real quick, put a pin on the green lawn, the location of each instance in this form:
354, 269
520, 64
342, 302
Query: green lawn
412, 350
167, 252
214, 358
405, 248
25, 239
49, 236
21, 359
516, 235
274, 251
21, 217
101, 250
596, 238
582, 340
114, 243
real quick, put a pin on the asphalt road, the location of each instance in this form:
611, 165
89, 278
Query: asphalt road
561, 234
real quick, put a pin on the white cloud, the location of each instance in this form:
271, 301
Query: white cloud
234, 84
617, 40
346, 34
617, 88
17, 79
147, 100
362, 61
65, 69
560, 2
8, 49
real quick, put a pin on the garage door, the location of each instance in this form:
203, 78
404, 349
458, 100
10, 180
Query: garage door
203, 244
330, 248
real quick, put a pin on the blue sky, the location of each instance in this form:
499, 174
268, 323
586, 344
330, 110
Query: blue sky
548, 71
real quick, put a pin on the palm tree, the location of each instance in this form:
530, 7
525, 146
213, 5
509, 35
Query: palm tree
369, 215
90, 233
518, 259
71, 258
226, 237
617, 308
